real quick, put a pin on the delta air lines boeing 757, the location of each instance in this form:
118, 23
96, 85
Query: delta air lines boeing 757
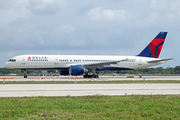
83, 64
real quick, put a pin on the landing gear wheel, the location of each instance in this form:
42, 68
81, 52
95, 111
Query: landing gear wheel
94, 76
85, 76
25, 76
89, 76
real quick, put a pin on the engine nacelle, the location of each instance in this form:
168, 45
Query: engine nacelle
77, 70
64, 72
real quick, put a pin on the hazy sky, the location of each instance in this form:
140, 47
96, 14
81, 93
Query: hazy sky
92, 27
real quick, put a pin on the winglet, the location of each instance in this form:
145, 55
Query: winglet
155, 46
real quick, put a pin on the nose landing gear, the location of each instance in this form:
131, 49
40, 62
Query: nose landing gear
24, 71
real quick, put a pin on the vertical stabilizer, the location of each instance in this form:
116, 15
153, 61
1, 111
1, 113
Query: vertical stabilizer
155, 46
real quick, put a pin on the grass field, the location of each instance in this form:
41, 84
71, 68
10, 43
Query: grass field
90, 82
92, 107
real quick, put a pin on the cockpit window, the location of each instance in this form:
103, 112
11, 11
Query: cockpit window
12, 60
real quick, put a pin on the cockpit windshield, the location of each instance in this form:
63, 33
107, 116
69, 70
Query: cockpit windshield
12, 60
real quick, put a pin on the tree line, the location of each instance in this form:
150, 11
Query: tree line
158, 70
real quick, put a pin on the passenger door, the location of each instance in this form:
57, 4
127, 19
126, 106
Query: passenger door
56, 62
139, 62
23, 62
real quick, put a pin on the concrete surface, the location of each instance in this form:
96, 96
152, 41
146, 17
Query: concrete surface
21, 90
79, 78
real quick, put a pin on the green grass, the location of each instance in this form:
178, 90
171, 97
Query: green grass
90, 82
92, 107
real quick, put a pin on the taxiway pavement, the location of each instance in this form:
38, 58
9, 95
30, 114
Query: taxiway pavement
79, 78
29, 90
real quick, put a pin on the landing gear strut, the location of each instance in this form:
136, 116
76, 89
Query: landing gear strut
24, 71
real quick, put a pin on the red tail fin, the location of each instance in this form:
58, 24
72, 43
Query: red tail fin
155, 46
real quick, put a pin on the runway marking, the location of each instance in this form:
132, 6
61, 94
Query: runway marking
54, 90
82, 90
166, 89
107, 79
129, 89
16, 91
93, 89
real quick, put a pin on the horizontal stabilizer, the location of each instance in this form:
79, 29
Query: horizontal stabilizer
155, 61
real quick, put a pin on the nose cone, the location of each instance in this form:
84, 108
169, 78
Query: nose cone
7, 65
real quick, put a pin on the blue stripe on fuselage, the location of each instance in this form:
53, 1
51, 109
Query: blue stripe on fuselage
104, 68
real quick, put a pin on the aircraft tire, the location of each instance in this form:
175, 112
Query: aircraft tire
85, 76
94, 76
89, 76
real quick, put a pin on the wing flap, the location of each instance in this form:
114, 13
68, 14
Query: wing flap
102, 64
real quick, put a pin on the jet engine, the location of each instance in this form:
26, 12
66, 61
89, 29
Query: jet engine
77, 70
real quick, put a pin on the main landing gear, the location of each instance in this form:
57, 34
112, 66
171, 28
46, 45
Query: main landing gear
91, 76
94, 74
24, 71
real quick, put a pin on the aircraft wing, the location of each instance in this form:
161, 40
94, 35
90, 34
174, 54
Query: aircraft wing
162, 60
102, 64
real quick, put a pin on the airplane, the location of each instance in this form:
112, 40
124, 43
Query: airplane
83, 64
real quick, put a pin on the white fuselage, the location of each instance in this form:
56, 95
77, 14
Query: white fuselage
65, 61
